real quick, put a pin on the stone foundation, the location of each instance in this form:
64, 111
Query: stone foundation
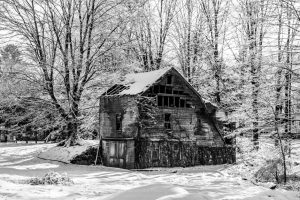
180, 154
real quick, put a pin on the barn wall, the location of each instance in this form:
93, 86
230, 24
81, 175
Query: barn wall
109, 107
184, 122
180, 154
188, 123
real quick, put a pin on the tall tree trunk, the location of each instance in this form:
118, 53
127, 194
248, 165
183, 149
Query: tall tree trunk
72, 123
278, 104
287, 87
216, 61
188, 62
252, 32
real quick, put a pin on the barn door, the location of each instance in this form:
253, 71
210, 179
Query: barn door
117, 154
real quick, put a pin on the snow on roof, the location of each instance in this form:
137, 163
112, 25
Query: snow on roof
138, 82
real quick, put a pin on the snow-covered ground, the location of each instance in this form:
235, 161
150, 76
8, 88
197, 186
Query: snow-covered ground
66, 154
18, 162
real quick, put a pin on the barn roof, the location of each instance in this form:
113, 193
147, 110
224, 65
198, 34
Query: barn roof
137, 83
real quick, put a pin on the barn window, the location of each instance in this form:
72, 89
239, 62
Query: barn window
168, 90
177, 100
159, 100
166, 101
156, 89
171, 101
118, 122
162, 89
182, 103
167, 121
169, 79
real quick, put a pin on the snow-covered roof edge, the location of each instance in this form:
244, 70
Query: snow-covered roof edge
137, 83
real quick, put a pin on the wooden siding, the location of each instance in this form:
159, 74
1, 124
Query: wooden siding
109, 107
191, 122
118, 153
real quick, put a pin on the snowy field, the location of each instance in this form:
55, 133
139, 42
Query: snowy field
18, 162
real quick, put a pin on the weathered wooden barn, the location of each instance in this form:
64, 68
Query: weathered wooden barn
157, 119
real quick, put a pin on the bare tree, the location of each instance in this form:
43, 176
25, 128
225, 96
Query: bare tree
253, 24
215, 13
66, 41
152, 31
188, 37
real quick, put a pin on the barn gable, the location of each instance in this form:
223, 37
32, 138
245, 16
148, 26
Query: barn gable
139, 83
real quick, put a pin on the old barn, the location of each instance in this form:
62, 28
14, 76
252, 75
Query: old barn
157, 119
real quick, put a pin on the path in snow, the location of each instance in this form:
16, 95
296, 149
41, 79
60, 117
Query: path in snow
18, 162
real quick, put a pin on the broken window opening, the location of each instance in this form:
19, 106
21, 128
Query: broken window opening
168, 90
169, 79
166, 101
156, 89
171, 101
118, 122
182, 103
162, 89
177, 100
159, 100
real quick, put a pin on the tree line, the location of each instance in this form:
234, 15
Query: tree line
242, 55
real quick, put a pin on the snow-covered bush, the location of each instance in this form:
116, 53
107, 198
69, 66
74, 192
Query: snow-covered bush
272, 171
51, 178
252, 163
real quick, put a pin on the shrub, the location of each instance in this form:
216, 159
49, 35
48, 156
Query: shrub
271, 172
88, 157
51, 178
